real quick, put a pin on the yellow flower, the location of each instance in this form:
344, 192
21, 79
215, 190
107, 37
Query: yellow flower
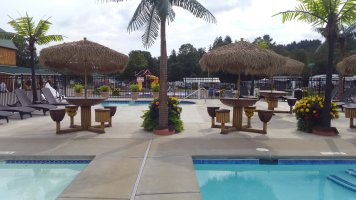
301, 110
314, 111
308, 105
307, 110
321, 106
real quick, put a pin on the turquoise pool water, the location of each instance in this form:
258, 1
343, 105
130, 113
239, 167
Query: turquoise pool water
136, 103
35, 181
251, 181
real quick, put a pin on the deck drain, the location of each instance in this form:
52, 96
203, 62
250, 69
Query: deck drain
7, 152
262, 149
332, 153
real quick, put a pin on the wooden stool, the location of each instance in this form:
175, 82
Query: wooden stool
222, 116
350, 112
57, 115
265, 116
291, 102
249, 111
102, 115
212, 114
71, 112
112, 113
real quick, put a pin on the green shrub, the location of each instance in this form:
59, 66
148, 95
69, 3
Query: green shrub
150, 117
116, 92
104, 88
134, 88
78, 88
155, 87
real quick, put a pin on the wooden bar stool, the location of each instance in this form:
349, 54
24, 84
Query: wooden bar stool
212, 114
223, 116
249, 111
265, 116
350, 112
71, 112
57, 115
112, 113
291, 103
102, 115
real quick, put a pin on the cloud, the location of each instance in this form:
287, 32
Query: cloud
106, 23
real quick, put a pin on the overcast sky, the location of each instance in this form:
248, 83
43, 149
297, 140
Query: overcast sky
106, 23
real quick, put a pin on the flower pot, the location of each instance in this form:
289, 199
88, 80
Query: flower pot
325, 131
134, 95
105, 94
163, 132
78, 94
155, 95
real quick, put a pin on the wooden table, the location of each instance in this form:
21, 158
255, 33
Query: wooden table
85, 111
237, 113
272, 97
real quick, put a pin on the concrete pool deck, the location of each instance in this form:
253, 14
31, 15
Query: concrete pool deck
129, 162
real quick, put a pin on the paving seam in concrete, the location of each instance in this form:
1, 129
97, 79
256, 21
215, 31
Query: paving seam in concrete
133, 194
152, 194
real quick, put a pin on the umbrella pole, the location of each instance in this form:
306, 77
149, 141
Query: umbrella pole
85, 82
238, 85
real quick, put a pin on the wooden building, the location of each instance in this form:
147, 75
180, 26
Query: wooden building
7, 52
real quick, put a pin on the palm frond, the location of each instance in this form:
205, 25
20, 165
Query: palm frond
152, 29
42, 27
348, 13
49, 38
195, 8
141, 16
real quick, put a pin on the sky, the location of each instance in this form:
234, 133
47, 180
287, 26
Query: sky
106, 23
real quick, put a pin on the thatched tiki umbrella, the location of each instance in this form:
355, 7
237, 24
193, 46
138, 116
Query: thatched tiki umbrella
241, 57
291, 67
82, 58
347, 66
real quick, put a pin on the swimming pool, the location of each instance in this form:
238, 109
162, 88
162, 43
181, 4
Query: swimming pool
255, 179
135, 103
37, 179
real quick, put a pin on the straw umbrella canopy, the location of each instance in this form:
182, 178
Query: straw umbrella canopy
82, 58
347, 66
241, 57
291, 67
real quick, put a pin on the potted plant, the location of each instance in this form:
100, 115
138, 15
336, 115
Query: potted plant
308, 112
155, 90
134, 88
150, 117
104, 91
78, 89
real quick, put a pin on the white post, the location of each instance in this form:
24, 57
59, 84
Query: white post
293, 87
199, 95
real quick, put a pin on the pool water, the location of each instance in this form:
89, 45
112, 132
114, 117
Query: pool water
136, 103
36, 181
272, 181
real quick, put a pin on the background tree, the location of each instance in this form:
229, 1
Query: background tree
329, 14
137, 62
153, 16
27, 31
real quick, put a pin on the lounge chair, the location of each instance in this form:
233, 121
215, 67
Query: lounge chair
344, 99
25, 101
5, 115
50, 98
22, 110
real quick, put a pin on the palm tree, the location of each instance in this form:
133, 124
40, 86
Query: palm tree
331, 15
345, 36
153, 16
27, 31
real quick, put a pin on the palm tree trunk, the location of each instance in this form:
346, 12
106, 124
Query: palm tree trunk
163, 98
326, 119
33, 77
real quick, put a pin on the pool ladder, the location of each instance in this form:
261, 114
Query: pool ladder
346, 180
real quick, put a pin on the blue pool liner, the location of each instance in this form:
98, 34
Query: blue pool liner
47, 161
